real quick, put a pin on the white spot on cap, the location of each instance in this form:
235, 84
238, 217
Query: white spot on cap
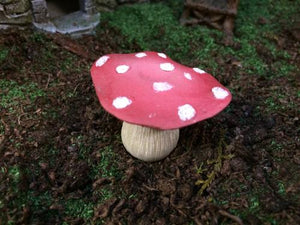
219, 92
163, 55
162, 86
197, 70
188, 76
152, 115
101, 61
167, 66
186, 112
122, 69
121, 102
141, 55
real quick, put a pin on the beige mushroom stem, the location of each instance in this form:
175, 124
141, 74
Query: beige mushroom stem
148, 144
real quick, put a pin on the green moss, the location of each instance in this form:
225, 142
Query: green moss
3, 53
79, 208
156, 27
140, 23
281, 188
277, 103
12, 93
71, 207
14, 172
250, 32
41, 201
38, 37
106, 166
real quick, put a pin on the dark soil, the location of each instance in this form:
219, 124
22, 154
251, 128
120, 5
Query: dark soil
240, 167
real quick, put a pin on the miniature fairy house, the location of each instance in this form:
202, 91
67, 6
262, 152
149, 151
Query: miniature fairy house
64, 16
68, 16
15, 13
219, 14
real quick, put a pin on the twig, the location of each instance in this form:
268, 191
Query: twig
72, 46
3, 138
230, 216
48, 81
201, 7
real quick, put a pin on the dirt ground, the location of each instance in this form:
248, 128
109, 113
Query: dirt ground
240, 167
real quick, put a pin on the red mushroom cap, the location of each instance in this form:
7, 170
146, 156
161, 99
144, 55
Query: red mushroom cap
150, 89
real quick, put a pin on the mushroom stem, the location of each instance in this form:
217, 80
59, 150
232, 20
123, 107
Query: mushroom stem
148, 144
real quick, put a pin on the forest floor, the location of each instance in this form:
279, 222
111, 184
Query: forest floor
61, 156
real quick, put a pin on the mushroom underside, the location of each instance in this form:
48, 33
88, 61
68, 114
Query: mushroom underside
148, 144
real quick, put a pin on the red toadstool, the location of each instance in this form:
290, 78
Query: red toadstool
155, 96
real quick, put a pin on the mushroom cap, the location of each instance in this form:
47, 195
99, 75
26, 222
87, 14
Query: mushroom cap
150, 89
